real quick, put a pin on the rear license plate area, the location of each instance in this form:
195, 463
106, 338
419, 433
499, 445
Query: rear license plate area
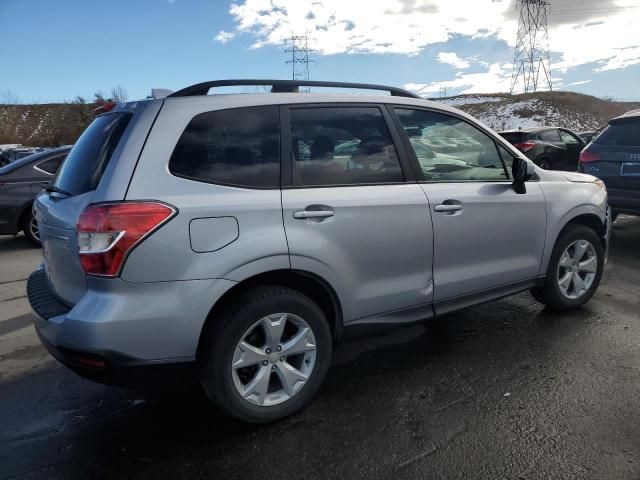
630, 169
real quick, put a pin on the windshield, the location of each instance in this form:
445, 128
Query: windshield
88, 159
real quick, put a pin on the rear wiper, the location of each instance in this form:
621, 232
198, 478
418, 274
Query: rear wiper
57, 190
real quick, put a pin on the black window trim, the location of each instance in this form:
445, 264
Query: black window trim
287, 156
228, 184
414, 158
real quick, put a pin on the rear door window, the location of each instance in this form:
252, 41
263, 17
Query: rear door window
342, 146
625, 134
89, 157
239, 147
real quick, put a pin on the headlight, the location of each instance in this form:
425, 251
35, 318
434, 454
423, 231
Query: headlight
600, 183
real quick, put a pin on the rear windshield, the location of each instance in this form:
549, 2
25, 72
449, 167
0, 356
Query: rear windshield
89, 157
513, 137
625, 134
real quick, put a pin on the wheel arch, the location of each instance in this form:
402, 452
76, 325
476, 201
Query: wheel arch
310, 284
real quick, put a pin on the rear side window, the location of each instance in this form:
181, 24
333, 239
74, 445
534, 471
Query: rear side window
625, 134
89, 157
549, 136
342, 146
513, 137
52, 165
238, 147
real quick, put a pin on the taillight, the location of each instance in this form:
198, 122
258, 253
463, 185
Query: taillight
107, 232
586, 157
524, 147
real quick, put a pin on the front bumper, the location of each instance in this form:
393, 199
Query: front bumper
121, 333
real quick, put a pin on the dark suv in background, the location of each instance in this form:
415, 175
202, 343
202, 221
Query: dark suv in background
549, 147
614, 157
20, 182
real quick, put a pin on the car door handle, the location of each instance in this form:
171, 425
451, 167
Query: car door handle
300, 214
447, 208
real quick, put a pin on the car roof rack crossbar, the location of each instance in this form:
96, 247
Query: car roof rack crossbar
286, 86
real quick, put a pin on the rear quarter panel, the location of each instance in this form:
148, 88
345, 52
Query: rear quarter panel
167, 254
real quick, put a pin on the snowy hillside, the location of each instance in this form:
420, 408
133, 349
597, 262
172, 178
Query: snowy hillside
563, 109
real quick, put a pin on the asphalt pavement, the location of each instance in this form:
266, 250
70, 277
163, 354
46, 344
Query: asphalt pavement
504, 390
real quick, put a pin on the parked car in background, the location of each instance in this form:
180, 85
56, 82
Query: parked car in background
17, 153
237, 236
20, 182
614, 156
588, 136
550, 148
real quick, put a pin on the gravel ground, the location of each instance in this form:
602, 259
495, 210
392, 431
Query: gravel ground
504, 390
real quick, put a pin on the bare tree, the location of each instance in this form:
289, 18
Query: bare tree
98, 97
8, 98
119, 94
79, 100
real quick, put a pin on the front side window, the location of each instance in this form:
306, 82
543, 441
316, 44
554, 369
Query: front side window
239, 147
449, 149
342, 146
568, 138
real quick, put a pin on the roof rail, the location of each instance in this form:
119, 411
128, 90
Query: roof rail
283, 86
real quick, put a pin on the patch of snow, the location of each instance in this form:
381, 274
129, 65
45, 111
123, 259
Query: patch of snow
469, 100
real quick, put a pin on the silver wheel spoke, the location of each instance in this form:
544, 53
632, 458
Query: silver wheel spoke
580, 248
247, 355
589, 265
565, 281
565, 260
273, 329
300, 343
291, 378
258, 386
578, 284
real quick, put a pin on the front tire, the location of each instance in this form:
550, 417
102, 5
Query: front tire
574, 271
266, 354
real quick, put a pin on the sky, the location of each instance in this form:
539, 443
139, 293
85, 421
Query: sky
52, 51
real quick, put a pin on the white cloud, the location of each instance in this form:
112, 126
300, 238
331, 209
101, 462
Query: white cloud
453, 59
496, 79
224, 37
601, 33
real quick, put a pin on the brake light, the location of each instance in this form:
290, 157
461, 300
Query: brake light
586, 157
108, 232
524, 147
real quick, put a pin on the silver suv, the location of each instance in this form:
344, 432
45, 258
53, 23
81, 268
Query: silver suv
238, 235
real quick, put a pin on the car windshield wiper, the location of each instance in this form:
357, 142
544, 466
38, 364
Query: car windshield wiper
57, 190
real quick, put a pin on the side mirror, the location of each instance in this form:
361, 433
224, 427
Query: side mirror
522, 170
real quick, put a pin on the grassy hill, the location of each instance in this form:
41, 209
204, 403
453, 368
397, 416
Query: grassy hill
60, 124
575, 111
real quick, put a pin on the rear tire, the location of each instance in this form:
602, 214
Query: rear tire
248, 361
574, 271
30, 228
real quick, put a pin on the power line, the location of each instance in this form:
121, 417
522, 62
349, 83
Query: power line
531, 55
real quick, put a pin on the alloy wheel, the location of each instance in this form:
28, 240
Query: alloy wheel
577, 269
273, 359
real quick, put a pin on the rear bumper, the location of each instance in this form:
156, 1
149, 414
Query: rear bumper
624, 201
121, 333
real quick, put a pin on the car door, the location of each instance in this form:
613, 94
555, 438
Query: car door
554, 154
573, 146
349, 215
488, 239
